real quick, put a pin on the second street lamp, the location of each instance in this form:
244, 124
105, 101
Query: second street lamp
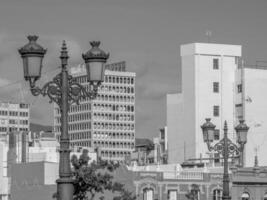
194, 192
225, 147
64, 91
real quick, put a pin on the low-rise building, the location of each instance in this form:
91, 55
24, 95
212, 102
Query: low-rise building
150, 182
172, 182
143, 153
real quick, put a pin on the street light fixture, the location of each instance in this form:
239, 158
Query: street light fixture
242, 132
64, 91
226, 147
193, 194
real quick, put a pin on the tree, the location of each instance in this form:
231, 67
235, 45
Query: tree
96, 178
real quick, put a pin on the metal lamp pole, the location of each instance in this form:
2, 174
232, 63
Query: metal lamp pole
64, 91
225, 147
226, 193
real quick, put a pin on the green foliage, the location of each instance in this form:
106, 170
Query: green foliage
96, 178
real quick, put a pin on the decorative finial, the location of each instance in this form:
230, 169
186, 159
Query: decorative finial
95, 43
225, 125
95, 53
64, 54
32, 38
32, 48
64, 46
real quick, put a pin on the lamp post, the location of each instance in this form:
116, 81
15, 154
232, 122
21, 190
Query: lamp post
64, 91
226, 147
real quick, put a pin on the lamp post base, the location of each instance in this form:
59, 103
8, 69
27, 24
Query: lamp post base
65, 189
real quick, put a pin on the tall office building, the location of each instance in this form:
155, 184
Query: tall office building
107, 122
209, 90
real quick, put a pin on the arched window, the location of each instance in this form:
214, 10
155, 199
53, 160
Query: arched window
217, 194
148, 194
245, 196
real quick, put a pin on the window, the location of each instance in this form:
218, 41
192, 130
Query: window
217, 194
216, 134
172, 195
215, 63
239, 88
216, 111
245, 196
265, 196
215, 87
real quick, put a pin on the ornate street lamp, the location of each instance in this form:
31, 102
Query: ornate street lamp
64, 91
242, 132
193, 194
225, 147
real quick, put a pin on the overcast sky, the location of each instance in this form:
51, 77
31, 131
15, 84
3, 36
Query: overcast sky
147, 34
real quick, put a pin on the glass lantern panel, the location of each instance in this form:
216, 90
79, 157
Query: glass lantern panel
25, 67
34, 66
210, 135
242, 136
205, 135
95, 71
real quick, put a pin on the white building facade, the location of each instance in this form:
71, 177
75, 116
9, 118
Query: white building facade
208, 91
4, 179
14, 117
107, 122
254, 109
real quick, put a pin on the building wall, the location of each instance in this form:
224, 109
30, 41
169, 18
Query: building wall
188, 123
255, 85
34, 180
175, 135
206, 98
198, 97
108, 122
251, 181
4, 179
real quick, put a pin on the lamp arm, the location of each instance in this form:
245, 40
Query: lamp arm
76, 92
210, 147
233, 149
52, 89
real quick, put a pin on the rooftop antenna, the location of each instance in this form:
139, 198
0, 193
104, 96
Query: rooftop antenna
208, 34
